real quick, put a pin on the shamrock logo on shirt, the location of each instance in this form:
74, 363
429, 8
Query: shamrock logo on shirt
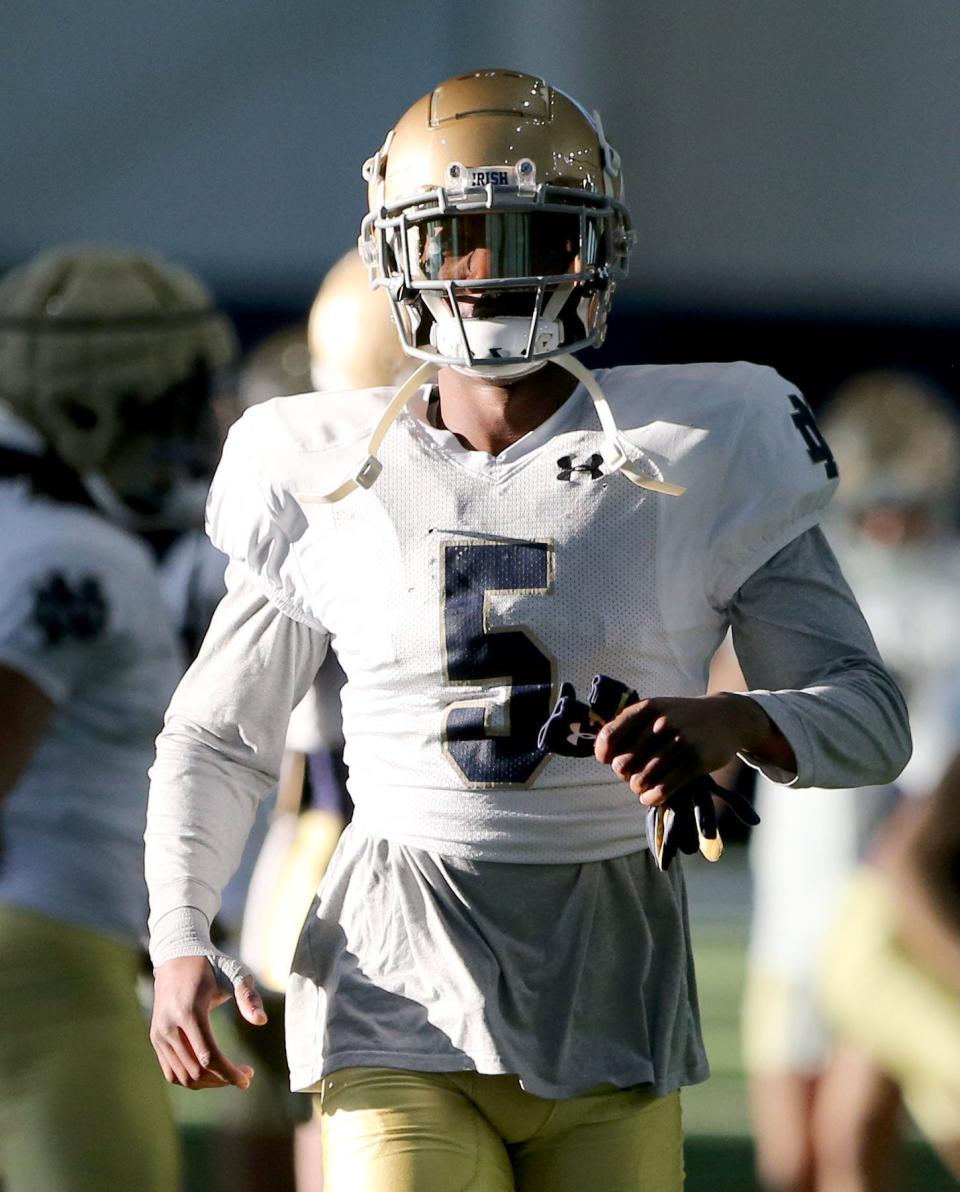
63, 611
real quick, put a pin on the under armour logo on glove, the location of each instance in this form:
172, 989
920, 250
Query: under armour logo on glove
573, 725
62, 611
687, 821
568, 467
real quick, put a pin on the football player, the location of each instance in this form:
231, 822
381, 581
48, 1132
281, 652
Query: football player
822, 1112
891, 987
107, 358
494, 985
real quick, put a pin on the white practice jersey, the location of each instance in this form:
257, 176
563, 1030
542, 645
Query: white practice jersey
81, 616
462, 588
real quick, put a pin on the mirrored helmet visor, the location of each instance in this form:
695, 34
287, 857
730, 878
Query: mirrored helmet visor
501, 245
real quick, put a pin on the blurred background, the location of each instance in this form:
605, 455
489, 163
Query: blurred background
791, 169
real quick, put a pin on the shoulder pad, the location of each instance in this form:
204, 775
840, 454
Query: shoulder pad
743, 442
278, 448
683, 395
308, 422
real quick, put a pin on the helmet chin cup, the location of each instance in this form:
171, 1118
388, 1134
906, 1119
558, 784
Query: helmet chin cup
512, 372
494, 347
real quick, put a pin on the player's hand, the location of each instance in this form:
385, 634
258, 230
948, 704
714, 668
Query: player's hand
665, 749
660, 745
185, 991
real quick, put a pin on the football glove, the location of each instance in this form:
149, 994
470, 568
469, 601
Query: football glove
687, 821
573, 725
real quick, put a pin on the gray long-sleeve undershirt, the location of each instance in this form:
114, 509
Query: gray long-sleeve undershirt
810, 661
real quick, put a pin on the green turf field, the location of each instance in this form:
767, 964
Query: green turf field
719, 1153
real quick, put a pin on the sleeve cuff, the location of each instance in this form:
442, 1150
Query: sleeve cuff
792, 728
184, 931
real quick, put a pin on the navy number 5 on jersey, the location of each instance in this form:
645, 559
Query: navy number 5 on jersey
486, 751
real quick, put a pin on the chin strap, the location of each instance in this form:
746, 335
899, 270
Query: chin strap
615, 457
366, 474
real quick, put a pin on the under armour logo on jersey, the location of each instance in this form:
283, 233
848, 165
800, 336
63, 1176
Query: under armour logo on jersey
817, 447
568, 467
62, 611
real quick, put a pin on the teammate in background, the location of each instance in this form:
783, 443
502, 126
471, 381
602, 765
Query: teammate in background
824, 1119
106, 362
494, 986
891, 984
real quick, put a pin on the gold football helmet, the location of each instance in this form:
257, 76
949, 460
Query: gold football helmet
496, 224
279, 366
350, 333
497, 228
896, 440
110, 355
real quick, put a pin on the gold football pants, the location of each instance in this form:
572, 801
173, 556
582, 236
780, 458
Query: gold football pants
83, 1104
386, 1130
898, 1012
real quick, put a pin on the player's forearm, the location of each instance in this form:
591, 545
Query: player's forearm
811, 665
221, 747
199, 814
849, 730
